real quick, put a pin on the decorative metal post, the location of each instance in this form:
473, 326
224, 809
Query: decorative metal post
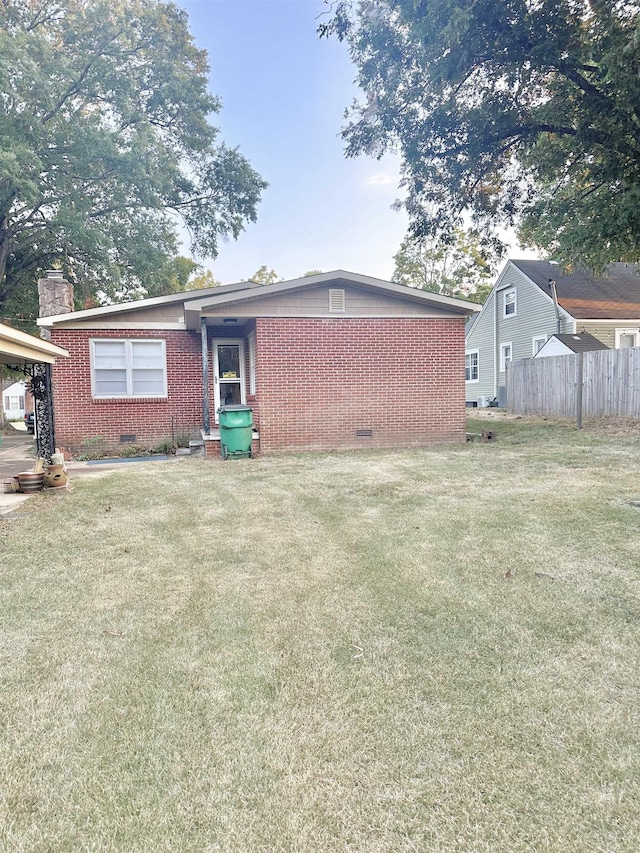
42, 391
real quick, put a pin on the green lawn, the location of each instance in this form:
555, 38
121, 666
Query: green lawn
323, 653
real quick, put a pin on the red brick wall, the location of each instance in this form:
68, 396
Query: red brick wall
320, 380
79, 417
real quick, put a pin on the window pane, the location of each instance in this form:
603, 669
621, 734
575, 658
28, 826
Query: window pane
510, 302
627, 341
147, 354
108, 354
229, 360
148, 382
111, 383
21, 403
230, 394
471, 366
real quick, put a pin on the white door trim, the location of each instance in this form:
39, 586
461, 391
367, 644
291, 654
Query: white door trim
215, 343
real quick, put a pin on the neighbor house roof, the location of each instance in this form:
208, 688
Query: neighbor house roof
200, 300
580, 342
613, 296
18, 347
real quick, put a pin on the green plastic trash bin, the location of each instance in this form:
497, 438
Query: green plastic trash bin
236, 430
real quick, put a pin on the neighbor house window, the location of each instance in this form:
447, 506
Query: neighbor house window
537, 344
471, 366
128, 368
626, 338
505, 356
509, 303
252, 363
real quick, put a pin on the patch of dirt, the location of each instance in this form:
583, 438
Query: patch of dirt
599, 426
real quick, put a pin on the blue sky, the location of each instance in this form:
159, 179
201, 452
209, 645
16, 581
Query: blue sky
284, 92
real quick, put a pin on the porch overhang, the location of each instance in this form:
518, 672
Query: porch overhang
18, 347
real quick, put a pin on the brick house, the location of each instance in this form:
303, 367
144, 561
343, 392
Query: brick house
330, 361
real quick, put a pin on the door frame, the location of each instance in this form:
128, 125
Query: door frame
216, 371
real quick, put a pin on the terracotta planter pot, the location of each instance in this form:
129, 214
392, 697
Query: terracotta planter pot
55, 476
30, 481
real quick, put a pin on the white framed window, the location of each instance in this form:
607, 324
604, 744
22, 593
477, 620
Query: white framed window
510, 303
337, 301
128, 368
537, 344
626, 338
506, 355
471, 365
252, 362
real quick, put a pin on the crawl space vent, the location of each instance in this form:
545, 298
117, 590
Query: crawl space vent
364, 433
125, 439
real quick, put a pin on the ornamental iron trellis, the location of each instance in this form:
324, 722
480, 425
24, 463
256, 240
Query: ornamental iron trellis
42, 391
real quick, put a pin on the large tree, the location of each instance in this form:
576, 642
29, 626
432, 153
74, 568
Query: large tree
106, 148
523, 112
454, 268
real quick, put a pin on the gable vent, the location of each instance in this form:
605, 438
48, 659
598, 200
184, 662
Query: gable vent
336, 301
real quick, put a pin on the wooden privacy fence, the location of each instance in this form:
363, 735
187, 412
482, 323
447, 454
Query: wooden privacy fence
610, 385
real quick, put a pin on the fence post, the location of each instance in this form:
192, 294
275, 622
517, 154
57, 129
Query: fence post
579, 375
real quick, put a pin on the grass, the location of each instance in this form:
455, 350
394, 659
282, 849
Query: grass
323, 653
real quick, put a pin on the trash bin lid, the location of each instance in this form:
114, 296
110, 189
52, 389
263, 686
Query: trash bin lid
237, 408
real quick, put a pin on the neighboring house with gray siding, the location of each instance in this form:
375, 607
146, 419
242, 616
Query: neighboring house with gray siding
533, 300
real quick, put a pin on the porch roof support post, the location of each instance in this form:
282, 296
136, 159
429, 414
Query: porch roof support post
206, 413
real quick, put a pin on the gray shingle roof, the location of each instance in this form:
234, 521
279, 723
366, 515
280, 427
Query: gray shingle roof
581, 342
614, 296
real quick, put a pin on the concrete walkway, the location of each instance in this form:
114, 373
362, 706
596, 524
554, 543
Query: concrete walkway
17, 454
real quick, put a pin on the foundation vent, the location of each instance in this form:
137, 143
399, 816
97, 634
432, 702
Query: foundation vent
127, 438
364, 433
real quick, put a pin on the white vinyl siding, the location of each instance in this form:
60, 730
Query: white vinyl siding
128, 368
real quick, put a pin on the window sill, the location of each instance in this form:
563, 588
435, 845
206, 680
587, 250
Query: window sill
119, 400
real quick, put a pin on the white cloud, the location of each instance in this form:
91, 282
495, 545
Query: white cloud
382, 179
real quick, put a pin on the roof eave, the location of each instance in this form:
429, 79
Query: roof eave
458, 306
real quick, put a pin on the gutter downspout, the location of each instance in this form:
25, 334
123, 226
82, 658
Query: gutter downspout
554, 294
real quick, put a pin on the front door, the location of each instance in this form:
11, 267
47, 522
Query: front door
228, 373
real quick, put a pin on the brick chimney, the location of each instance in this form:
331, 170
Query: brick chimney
55, 295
